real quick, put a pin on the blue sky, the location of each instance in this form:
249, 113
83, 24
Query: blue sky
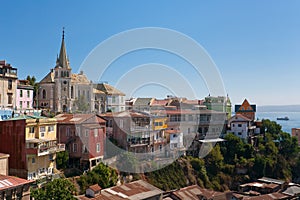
255, 44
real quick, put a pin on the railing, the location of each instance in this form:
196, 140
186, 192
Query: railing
46, 150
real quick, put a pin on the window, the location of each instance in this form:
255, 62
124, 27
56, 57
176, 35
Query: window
10, 98
72, 92
98, 147
121, 123
239, 125
87, 132
77, 131
74, 147
113, 99
9, 84
68, 131
84, 149
21, 104
42, 129
233, 125
44, 94
160, 147
51, 157
21, 93
96, 132
28, 104
239, 133
50, 128
33, 160
31, 129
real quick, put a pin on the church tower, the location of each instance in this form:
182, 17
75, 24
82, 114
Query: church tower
62, 79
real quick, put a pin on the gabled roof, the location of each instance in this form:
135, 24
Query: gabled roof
49, 78
245, 107
7, 182
143, 102
239, 118
78, 118
108, 89
79, 78
95, 188
194, 192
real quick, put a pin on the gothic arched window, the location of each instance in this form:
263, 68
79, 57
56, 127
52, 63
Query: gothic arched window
44, 94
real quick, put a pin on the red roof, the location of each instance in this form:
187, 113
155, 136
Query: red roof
11, 182
78, 118
95, 188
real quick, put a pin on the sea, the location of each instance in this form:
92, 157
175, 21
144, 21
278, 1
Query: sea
273, 112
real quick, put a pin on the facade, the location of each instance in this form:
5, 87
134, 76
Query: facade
8, 85
84, 136
296, 133
32, 145
246, 110
137, 131
14, 188
4, 164
241, 126
220, 104
111, 99
62, 91
24, 96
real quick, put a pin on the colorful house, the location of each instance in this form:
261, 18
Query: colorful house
246, 110
84, 136
24, 96
32, 144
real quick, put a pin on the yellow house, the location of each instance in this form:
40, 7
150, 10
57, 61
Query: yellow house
159, 123
41, 146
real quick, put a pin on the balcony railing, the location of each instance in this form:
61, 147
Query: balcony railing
46, 150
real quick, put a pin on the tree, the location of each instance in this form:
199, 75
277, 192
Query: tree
82, 104
32, 81
56, 190
101, 175
62, 159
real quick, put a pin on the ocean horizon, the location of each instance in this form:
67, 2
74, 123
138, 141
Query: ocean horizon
273, 112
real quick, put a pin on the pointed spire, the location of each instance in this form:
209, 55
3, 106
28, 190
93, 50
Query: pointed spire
62, 59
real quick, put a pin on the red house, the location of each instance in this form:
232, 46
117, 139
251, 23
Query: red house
84, 136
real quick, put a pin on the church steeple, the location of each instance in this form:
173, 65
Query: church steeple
62, 60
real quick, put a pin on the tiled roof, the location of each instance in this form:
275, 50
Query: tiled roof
128, 113
108, 89
142, 102
134, 190
11, 181
78, 118
237, 116
79, 78
160, 102
271, 196
95, 188
194, 192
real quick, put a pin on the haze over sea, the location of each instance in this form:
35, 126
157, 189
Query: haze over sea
272, 112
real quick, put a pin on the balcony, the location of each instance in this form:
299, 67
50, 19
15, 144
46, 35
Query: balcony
138, 142
49, 150
45, 150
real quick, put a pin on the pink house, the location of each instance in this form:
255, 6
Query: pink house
24, 96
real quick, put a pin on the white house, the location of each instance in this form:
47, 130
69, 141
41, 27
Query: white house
241, 126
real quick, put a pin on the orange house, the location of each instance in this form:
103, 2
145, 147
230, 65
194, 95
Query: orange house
246, 110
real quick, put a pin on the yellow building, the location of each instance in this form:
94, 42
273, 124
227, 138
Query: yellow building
41, 146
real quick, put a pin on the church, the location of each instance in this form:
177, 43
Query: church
63, 91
